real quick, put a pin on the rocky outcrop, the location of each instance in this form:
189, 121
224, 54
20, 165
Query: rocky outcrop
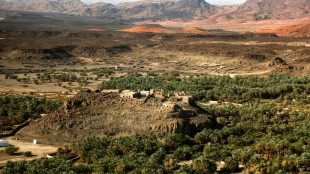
43, 54
89, 114
278, 61
280, 66
94, 51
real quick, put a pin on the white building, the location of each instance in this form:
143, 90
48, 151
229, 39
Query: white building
129, 94
145, 93
4, 143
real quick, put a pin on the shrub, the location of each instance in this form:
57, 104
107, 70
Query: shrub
170, 163
174, 141
11, 150
151, 73
185, 169
183, 153
28, 154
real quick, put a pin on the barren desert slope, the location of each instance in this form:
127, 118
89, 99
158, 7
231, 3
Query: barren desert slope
302, 30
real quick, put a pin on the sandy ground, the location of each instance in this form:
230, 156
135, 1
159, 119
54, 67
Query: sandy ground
88, 60
219, 164
230, 25
155, 59
94, 29
13, 86
38, 150
141, 29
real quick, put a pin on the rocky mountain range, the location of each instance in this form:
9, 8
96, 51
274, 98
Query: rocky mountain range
185, 10
269, 9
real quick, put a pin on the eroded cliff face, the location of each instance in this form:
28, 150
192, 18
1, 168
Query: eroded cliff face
100, 114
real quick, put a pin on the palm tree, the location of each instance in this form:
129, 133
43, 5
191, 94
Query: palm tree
305, 159
231, 164
203, 137
203, 165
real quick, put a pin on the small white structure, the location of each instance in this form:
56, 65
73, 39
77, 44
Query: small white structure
34, 141
51, 155
44, 115
145, 93
4, 143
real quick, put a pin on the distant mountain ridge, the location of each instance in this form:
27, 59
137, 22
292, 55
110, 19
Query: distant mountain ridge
184, 10
169, 9
22, 1
270, 9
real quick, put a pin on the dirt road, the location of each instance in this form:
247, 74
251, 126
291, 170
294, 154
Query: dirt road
38, 150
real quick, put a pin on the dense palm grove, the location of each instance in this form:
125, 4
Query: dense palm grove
262, 125
238, 89
16, 110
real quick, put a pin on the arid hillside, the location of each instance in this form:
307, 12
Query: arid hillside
290, 31
142, 29
167, 9
257, 10
145, 29
213, 54
176, 11
103, 114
